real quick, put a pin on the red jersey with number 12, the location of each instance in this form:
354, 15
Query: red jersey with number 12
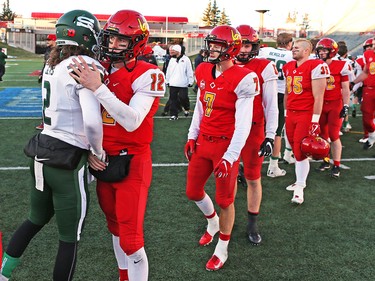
298, 82
147, 79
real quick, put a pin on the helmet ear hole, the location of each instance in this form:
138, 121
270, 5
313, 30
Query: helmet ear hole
315, 147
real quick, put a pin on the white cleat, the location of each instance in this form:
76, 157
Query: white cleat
298, 196
363, 140
289, 157
274, 172
294, 186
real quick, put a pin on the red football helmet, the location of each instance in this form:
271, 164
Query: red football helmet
249, 36
227, 36
126, 24
368, 43
330, 45
315, 147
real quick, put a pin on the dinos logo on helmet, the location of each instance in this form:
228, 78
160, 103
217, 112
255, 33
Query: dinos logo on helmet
236, 37
142, 25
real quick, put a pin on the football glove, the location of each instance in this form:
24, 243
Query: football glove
344, 111
314, 129
266, 147
222, 169
189, 149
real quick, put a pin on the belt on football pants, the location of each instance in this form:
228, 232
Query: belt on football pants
214, 138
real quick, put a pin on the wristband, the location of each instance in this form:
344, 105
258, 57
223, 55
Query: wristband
315, 118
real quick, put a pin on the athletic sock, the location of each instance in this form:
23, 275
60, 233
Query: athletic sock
65, 261
9, 263
252, 219
138, 265
336, 163
221, 250
21, 238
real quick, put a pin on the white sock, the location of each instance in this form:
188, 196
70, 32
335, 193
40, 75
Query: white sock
274, 162
138, 266
302, 171
206, 205
221, 250
121, 257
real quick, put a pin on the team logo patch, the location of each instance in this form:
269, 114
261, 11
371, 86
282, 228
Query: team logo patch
202, 85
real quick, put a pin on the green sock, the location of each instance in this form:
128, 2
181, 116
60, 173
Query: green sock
8, 265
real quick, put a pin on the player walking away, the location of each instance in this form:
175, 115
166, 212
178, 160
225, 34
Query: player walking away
258, 143
336, 102
72, 126
369, 44
368, 96
220, 126
305, 85
281, 55
130, 99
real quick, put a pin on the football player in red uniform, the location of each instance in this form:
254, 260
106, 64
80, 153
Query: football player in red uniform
220, 126
130, 98
368, 95
336, 101
369, 44
305, 85
259, 143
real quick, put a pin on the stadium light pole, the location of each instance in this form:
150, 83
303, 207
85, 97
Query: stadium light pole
261, 24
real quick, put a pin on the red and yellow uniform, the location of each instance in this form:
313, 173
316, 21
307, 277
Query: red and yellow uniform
264, 103
221, 124
368, 96
124, 202
300, 101
330, 121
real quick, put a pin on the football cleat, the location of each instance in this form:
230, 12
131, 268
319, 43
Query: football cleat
173, 118
254, 238
293, 187
324, 166
363, 140
370, 142
274, 172
298, 196
206, 239
40, 126
214, 263
186, 113
335, 172
289, 157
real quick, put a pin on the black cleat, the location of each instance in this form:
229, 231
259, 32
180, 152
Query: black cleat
367, 145
335, 172
255, 238
324, 166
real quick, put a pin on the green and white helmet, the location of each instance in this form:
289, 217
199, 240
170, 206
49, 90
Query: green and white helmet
78, 28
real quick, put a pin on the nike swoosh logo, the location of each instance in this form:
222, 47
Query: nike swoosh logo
40, 159
135, 262
115, 84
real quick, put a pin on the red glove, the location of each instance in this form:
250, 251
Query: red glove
222, 169
189, 149
314, 129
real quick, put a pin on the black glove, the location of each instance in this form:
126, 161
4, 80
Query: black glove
266, 147
344, 111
